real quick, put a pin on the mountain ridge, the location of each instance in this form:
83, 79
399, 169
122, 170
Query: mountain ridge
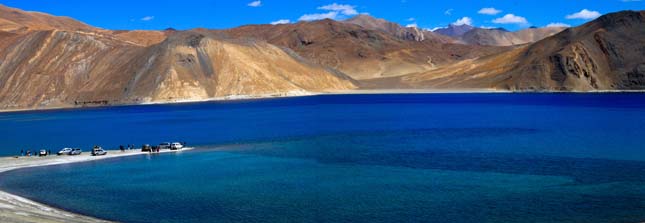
498, 37
602, 55
48, 61
454, 30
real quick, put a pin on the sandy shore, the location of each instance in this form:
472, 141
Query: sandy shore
289, 94
17, 209
308, 93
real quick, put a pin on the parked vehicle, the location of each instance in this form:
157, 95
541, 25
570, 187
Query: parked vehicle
75, 151
64, 151
42, 152
98, 151
146, 148
164, 145
176, 146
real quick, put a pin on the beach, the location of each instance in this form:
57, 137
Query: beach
17, 209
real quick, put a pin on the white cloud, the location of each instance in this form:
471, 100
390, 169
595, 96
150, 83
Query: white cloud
448, 12
435, 28
488, 27
255, 4
511, 19
335, 11
584, 14
411, 19
318, 16
147, 18
412, 25
281, 21
463, 21
342, 9
489, 11
558, 24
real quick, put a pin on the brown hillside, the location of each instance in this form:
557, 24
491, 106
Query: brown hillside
359, 52
605, 54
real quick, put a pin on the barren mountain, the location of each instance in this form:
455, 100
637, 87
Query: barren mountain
394, 29
357, 51
141, 37
456, 31
16, 20
63, 68
498, 37
48, 61
604, 54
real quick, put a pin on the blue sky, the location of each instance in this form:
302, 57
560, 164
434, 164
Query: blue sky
218, 14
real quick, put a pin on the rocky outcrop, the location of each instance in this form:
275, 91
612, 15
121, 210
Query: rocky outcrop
601, 55
634, 79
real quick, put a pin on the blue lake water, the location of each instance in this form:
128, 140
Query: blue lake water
348, 158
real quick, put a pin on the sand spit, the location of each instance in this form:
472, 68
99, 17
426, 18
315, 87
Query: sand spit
15, 209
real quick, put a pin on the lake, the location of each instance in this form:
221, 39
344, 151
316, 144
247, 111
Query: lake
348, 158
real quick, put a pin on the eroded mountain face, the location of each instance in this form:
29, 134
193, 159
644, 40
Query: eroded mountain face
361, 53
605, 54
62, 68
48, 61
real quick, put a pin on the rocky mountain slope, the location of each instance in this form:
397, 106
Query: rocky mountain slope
48, 61
394, 29
16, 20
467, 34
362, 53
604, 54
453, 30
67, 68
499, 37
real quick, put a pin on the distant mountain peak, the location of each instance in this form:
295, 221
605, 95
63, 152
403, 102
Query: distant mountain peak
503, 37
460, 26
363, 16
455, 30
395, 29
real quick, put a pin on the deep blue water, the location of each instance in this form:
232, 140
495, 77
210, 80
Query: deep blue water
348, 158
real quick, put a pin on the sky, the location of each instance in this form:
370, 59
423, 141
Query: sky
428, 14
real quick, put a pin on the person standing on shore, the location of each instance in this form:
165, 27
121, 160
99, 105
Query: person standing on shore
22, 152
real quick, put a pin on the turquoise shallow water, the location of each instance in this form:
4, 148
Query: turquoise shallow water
352, 158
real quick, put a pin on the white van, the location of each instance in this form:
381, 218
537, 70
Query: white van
176, 146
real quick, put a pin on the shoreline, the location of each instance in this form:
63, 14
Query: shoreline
309, 94
14, 208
